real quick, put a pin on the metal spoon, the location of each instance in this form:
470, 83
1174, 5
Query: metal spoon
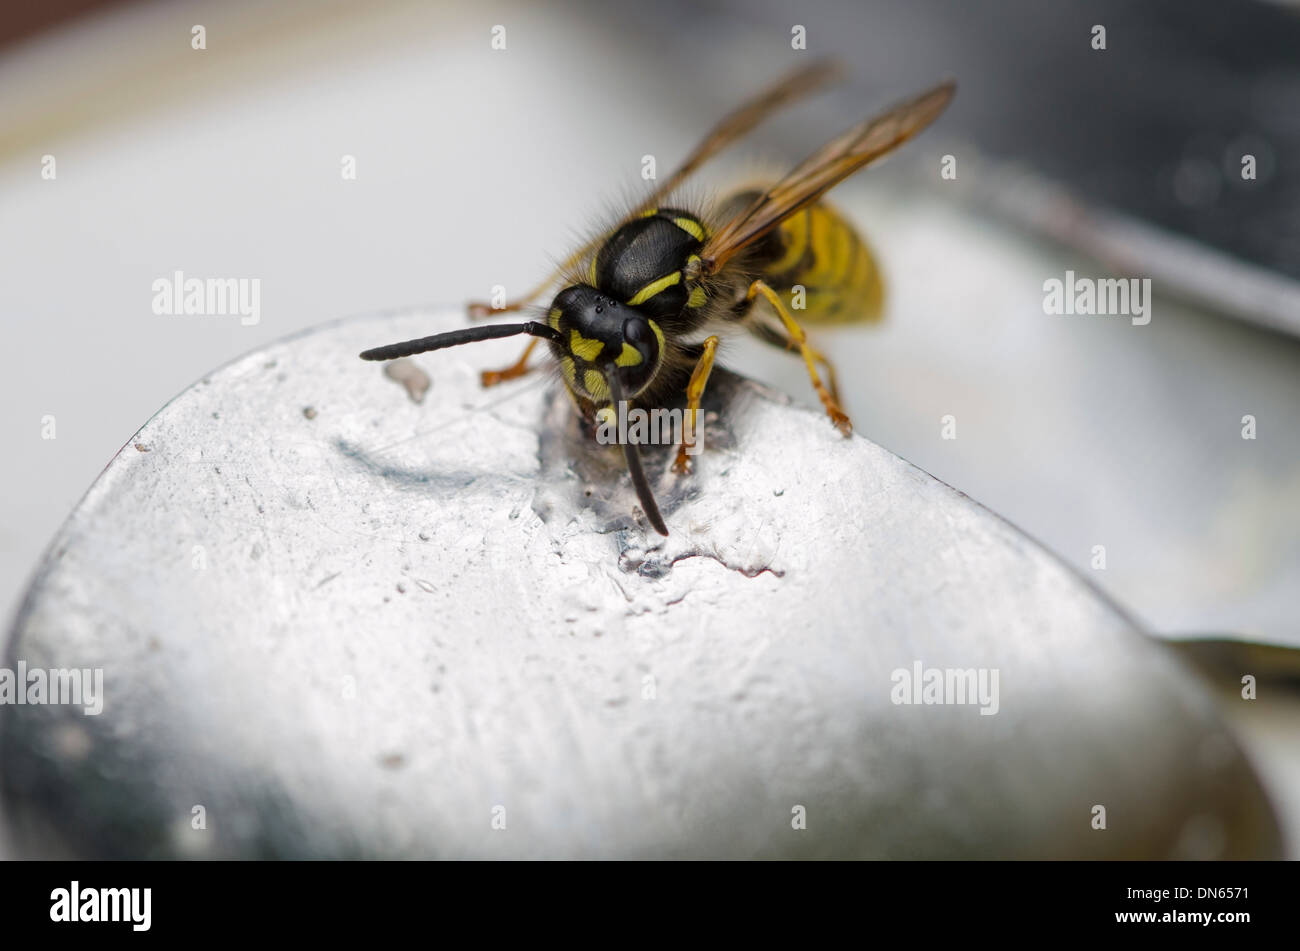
337, 621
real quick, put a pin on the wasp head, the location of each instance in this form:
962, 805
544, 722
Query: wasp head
600, 336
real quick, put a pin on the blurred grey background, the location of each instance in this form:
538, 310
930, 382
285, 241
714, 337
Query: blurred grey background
477, 167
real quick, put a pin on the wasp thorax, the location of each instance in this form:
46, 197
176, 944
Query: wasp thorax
601, 336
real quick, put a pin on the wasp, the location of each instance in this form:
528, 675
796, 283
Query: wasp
638, 315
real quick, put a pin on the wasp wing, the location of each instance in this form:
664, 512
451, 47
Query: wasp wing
828, 166
735, 125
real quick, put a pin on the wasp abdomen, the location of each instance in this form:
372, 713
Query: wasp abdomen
818, 250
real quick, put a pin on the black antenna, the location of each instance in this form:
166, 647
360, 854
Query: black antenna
639, 481
455, 338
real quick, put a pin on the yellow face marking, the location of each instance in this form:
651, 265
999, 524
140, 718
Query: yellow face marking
691, 227
593, 381
570, 373
584, 347
659, 335
630, 357
699, 297
553, 318
654, 287
649, 212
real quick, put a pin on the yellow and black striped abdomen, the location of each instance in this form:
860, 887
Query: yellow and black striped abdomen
818, 250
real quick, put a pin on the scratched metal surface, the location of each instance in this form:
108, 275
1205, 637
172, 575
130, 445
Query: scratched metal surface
347, 623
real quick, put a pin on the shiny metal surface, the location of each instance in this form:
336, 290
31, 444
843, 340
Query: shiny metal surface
344, 623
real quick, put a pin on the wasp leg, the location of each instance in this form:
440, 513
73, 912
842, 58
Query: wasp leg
477, 308
516, 369
694, 390
780, 338
810, 355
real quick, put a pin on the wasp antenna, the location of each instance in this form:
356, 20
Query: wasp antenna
455, 338
633, 455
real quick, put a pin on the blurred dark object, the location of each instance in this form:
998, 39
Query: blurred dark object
1153, 127
1158, 122
22, 20
1226, 660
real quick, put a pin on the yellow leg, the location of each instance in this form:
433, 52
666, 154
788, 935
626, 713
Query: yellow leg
832, 378
785, 340
478, 308
695, 390
810, 356
516, 369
